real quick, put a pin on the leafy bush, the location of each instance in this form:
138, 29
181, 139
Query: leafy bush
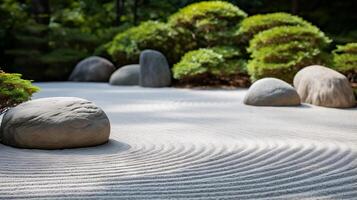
286, 34
345, 58
282, 51
211, 22
253, 25
126, 46
14, 90
211, 66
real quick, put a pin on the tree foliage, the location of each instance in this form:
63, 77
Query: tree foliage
14, 90
207, 66
44, 39
282, 51
252, 25
211, 22
345, 60
126, 46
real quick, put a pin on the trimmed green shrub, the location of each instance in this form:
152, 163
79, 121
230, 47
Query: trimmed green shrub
345, 61
14, 90
345, 58
210, 22
126, 46
211, 66
281, 52
253, 25
286, 34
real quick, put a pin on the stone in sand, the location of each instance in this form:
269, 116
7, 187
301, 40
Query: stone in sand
271, 92
92, 69
55, 123
322, 86
126, 75
155, 70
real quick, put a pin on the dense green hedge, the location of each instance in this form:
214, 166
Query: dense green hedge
208, 65
282, 51
199, 25
14, 90
210, 22
345, 58
286, 34
252, 25
126, 46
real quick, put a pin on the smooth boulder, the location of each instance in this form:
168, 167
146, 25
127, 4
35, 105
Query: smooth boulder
55, 123
154, 69
271, 92
92, 69
322, 86
126, 75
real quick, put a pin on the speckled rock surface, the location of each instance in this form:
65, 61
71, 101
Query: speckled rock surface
323, 86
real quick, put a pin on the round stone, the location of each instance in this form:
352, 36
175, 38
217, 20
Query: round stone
271, 92
126, 75
323, 86
92, 69
55, 123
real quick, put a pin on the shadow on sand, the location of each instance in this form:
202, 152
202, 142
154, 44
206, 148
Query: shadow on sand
111, 147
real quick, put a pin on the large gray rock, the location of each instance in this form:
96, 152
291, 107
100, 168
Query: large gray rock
271, 92
55, 123
322, 86
126, 75
155, 70
92, 69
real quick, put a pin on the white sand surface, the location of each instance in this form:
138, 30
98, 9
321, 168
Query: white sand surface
192, 144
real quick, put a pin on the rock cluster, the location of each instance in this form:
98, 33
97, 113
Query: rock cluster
317, 85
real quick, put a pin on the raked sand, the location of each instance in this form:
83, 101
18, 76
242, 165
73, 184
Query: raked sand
192, 144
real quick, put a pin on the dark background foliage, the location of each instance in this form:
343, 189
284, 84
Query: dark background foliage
44, 39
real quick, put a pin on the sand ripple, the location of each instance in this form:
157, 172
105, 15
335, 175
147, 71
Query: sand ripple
206, 146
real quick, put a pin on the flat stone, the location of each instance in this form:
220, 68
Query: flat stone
92, 69
126, 75
55, 123
155, 70
323, 86
271, 92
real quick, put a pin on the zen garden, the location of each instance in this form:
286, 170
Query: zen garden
179, 99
